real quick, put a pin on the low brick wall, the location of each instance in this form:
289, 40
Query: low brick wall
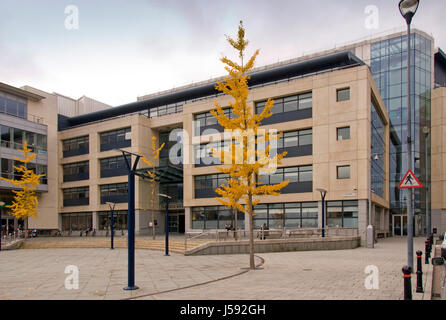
276, 245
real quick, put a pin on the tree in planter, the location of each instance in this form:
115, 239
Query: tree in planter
152, 178
246, 160
25, 201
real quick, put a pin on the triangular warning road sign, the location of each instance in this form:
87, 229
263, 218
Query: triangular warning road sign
409, 181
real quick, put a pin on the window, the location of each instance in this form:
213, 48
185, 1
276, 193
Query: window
165, 110
343, 94
342, 214
287, 104
215, 217
115, 139
76, 221
119, 217
300, 178
76, 171
295, 107
343, 133
286, 215
114, 166
343, 172
205, 185
75, 146
206, 119
76, 196
13, 105
117, 193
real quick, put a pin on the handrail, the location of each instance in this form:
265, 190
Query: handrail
194, 237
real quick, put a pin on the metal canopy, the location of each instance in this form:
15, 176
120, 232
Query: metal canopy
163, 174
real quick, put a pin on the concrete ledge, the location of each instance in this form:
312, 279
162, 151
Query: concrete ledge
13, 245
276, 245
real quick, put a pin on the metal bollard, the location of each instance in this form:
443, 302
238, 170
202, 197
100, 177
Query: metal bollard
407, 270
419, 273
426, 252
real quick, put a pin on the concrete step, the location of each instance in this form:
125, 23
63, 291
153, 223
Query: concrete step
174, 246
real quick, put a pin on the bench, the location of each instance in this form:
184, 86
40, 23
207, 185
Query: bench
382, 233
301, 233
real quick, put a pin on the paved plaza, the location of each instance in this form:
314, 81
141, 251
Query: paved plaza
39, 274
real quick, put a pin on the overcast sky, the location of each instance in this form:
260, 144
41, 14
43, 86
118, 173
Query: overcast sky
124, 49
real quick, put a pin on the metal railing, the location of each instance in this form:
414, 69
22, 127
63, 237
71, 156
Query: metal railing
223, 235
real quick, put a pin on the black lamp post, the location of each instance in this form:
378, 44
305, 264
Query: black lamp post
426, 131
1, 227
323, 194
408, 8
166, 222
112, 222
131, 217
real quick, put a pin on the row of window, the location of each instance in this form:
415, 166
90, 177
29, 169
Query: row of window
340, 214
117, 193
14, 138
288, 108
109, 167
108, 140
8, 171
82, 220
292, 174
287, 104
165, 110
300, 180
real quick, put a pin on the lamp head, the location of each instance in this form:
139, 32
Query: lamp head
408, 9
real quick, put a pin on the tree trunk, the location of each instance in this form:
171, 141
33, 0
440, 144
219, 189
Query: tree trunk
236, 224
153, 225
252, 265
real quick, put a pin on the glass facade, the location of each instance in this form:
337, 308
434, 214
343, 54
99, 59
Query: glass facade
215, 217
389, 70
286, 215
377, 152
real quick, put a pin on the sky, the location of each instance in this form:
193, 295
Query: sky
116, 50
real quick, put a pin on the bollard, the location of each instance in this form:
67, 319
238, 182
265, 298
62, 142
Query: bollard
419, 273
407, 270
426, 252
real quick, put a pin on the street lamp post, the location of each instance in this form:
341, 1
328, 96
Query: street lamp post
426, 186
323, 194
112, 221
166, 222
131, 217
1, 227
408, 8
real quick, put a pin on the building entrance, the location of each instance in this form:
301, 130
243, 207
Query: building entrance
400, 225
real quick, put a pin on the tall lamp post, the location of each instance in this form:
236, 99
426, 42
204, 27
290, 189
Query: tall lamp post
1, 227
112, 222
426, 131
370, 229
323, 194
408, 8
166, 222
131, 216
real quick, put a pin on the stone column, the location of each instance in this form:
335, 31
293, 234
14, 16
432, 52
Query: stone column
95, 220
187, 219
362, 220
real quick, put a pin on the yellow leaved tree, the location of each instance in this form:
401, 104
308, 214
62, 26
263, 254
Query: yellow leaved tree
25, 200
249, 156
152, 177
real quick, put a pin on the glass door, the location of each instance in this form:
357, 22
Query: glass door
399, 225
